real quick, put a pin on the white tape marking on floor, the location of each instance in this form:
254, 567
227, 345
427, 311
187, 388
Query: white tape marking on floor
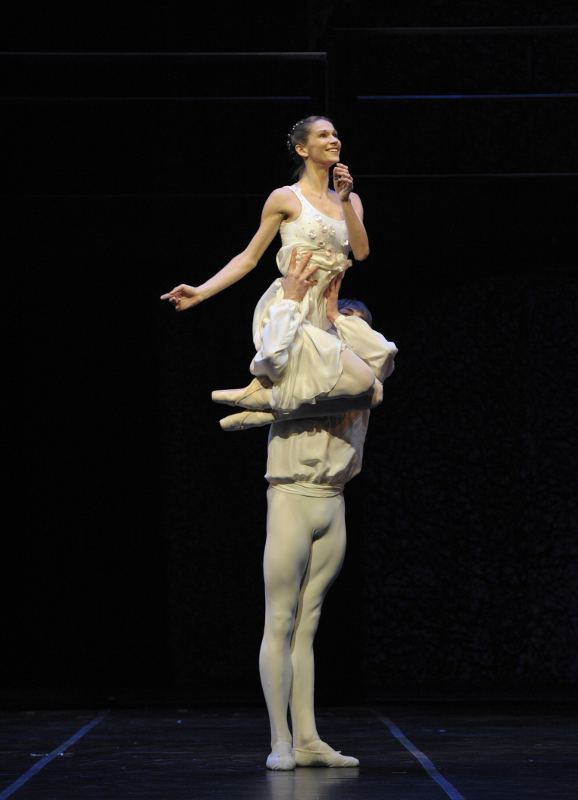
58, 751
423, 760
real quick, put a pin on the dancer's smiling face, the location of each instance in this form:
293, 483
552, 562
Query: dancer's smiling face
323, 145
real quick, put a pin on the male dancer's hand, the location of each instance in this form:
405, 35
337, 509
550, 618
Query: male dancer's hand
297, 282
332, 296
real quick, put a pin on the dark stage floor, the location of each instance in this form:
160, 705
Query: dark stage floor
475, 751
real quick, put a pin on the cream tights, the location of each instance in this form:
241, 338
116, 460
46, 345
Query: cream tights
303, 556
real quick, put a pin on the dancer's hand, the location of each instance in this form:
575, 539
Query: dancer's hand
342, 182
297, 282
183, 297
332, 296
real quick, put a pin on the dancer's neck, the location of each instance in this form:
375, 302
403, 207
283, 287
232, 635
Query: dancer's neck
315, 180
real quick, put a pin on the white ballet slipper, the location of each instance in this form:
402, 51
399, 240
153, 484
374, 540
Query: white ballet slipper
247, 419
319, 754
281, 757
250, 397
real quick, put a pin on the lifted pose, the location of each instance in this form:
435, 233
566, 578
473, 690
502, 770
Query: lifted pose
309, 461
320, 226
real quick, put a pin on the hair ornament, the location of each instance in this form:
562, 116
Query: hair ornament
289, 135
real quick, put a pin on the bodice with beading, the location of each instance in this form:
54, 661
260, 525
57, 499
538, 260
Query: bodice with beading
312, 360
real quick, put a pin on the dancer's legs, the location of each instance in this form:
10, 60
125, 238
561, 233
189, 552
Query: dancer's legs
326, 559
303, 555
323, 408
339, 405
286, 556
356, 381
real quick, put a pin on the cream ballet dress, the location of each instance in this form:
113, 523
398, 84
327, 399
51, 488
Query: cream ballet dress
305, 352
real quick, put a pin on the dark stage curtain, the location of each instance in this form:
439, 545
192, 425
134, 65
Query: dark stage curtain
469, 571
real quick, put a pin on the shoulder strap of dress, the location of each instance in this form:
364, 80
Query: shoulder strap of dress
296, 190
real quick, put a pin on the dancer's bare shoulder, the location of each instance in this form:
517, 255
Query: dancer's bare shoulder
284, 201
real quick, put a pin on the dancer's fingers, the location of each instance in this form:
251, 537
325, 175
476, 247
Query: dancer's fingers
304, 261
177, 290
311, 270
293, 261
332, 290
342, 171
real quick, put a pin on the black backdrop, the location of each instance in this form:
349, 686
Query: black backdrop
134, 526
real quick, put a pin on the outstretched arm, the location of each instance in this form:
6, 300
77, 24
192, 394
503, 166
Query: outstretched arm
274, 211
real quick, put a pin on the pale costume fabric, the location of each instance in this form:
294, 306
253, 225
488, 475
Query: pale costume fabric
309, 461
303, 555
316, 457
312, 357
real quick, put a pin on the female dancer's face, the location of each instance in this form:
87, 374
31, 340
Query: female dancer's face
323, 146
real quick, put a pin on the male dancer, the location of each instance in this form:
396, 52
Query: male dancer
309, 461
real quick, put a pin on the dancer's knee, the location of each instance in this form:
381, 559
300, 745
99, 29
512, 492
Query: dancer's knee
367, 380
377, 395
279, 624
357, 377
359, 383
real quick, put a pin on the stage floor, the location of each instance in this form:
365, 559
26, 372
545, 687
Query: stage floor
410, 750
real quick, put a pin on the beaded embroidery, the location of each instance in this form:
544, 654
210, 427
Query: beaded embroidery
337, 232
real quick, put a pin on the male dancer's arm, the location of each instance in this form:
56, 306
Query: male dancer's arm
369, 345
279, 334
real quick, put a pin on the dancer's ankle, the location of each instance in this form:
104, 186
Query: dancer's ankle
305, 741
309, 743
282, 740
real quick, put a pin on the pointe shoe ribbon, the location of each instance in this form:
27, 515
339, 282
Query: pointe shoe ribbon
255, 396
304, 757
246, 419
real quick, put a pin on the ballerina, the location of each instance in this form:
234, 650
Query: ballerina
321, 225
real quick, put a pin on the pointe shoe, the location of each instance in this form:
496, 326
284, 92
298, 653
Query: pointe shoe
247, 419
319, 754
281, 757
249, 397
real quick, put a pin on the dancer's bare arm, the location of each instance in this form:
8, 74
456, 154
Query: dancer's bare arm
352, 211
276, 209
